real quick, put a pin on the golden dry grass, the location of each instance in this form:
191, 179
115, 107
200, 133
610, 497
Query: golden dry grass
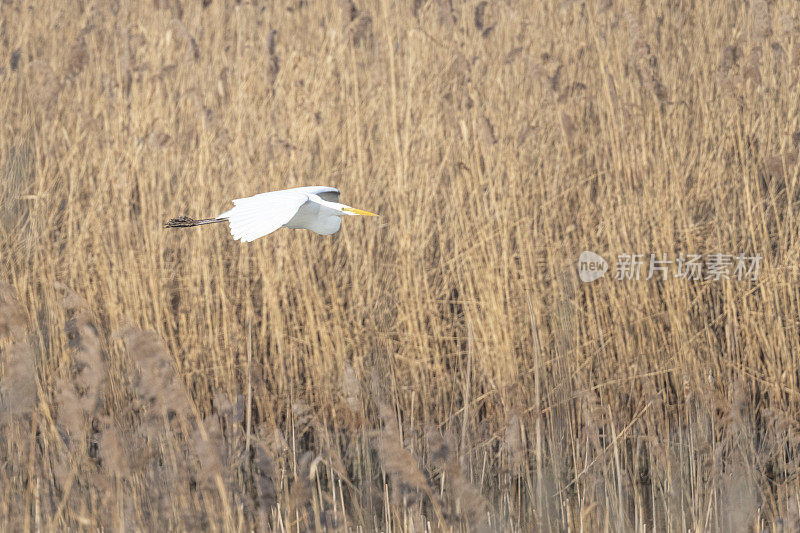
441, 367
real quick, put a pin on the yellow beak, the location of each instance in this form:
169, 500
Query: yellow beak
359, 211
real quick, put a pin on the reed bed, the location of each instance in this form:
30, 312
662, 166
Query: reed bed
442, 367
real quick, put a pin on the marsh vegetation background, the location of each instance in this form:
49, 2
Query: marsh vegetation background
442, 366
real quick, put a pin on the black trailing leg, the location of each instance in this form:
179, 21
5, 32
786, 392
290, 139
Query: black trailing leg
187, 222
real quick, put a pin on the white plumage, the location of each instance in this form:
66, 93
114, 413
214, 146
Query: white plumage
315, 208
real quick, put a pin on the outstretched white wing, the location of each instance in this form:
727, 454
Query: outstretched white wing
262, 214
329, 194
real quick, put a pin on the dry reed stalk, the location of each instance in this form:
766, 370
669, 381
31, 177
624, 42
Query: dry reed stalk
400, 464
464, 499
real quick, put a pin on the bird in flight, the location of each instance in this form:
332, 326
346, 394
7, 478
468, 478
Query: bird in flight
316, 208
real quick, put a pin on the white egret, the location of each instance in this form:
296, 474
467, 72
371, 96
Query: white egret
316, 208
